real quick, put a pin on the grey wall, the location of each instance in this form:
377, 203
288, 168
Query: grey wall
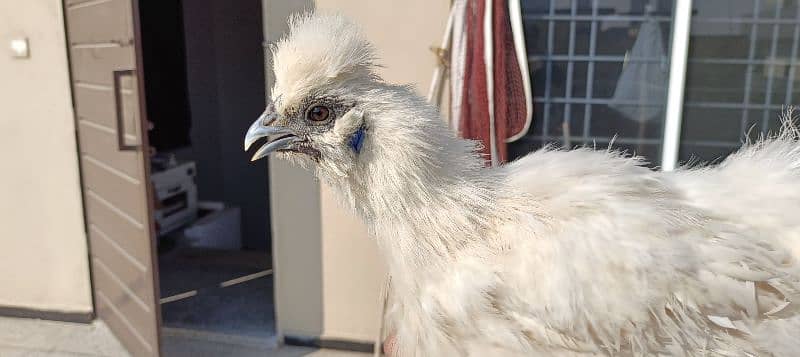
225, 74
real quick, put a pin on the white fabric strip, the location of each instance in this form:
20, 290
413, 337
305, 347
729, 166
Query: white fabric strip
458, 57
488, 56
517, 31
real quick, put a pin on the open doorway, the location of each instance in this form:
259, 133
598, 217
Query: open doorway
204, 84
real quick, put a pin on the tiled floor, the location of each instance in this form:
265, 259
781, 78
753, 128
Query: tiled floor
32, 338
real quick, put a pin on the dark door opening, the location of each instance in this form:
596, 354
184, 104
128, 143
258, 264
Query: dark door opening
203, 64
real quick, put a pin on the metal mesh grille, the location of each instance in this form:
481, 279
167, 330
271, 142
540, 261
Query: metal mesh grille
741, 71
578, 51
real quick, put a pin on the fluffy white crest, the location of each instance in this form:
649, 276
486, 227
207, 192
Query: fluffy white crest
320, 50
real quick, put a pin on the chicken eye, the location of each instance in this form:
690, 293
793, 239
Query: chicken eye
318, 113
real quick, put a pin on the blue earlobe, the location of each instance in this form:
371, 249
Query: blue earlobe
357, 140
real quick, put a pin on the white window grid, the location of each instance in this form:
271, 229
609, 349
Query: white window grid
681, 20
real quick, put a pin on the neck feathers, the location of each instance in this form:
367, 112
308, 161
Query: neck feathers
424, 192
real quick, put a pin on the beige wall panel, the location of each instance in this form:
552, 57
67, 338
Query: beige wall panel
96, 104
128, 235
294, 206
44, 261
114, 177
100, 143
128, 268
121, 293
98, 64
136, 344
351, 270
123, 192
100, 22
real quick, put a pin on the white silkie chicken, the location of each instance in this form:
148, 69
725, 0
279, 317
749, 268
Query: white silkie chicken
560, 253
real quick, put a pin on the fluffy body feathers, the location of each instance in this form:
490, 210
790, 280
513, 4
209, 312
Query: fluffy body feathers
560, 253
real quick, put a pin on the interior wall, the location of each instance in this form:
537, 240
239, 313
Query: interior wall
225, 75
338, 297
44, 262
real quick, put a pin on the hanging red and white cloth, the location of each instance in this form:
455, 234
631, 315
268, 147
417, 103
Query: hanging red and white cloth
491, 97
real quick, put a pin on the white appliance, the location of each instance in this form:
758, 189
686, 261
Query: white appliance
176, 195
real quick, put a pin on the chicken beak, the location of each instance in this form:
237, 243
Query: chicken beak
262, 128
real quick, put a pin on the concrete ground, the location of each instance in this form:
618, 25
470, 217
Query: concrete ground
30, 338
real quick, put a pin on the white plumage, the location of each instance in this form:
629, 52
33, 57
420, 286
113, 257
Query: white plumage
560, 253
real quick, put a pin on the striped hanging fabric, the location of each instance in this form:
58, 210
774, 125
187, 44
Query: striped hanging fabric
490, 87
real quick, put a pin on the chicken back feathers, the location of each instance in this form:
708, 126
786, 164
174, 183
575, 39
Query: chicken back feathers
559, 253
